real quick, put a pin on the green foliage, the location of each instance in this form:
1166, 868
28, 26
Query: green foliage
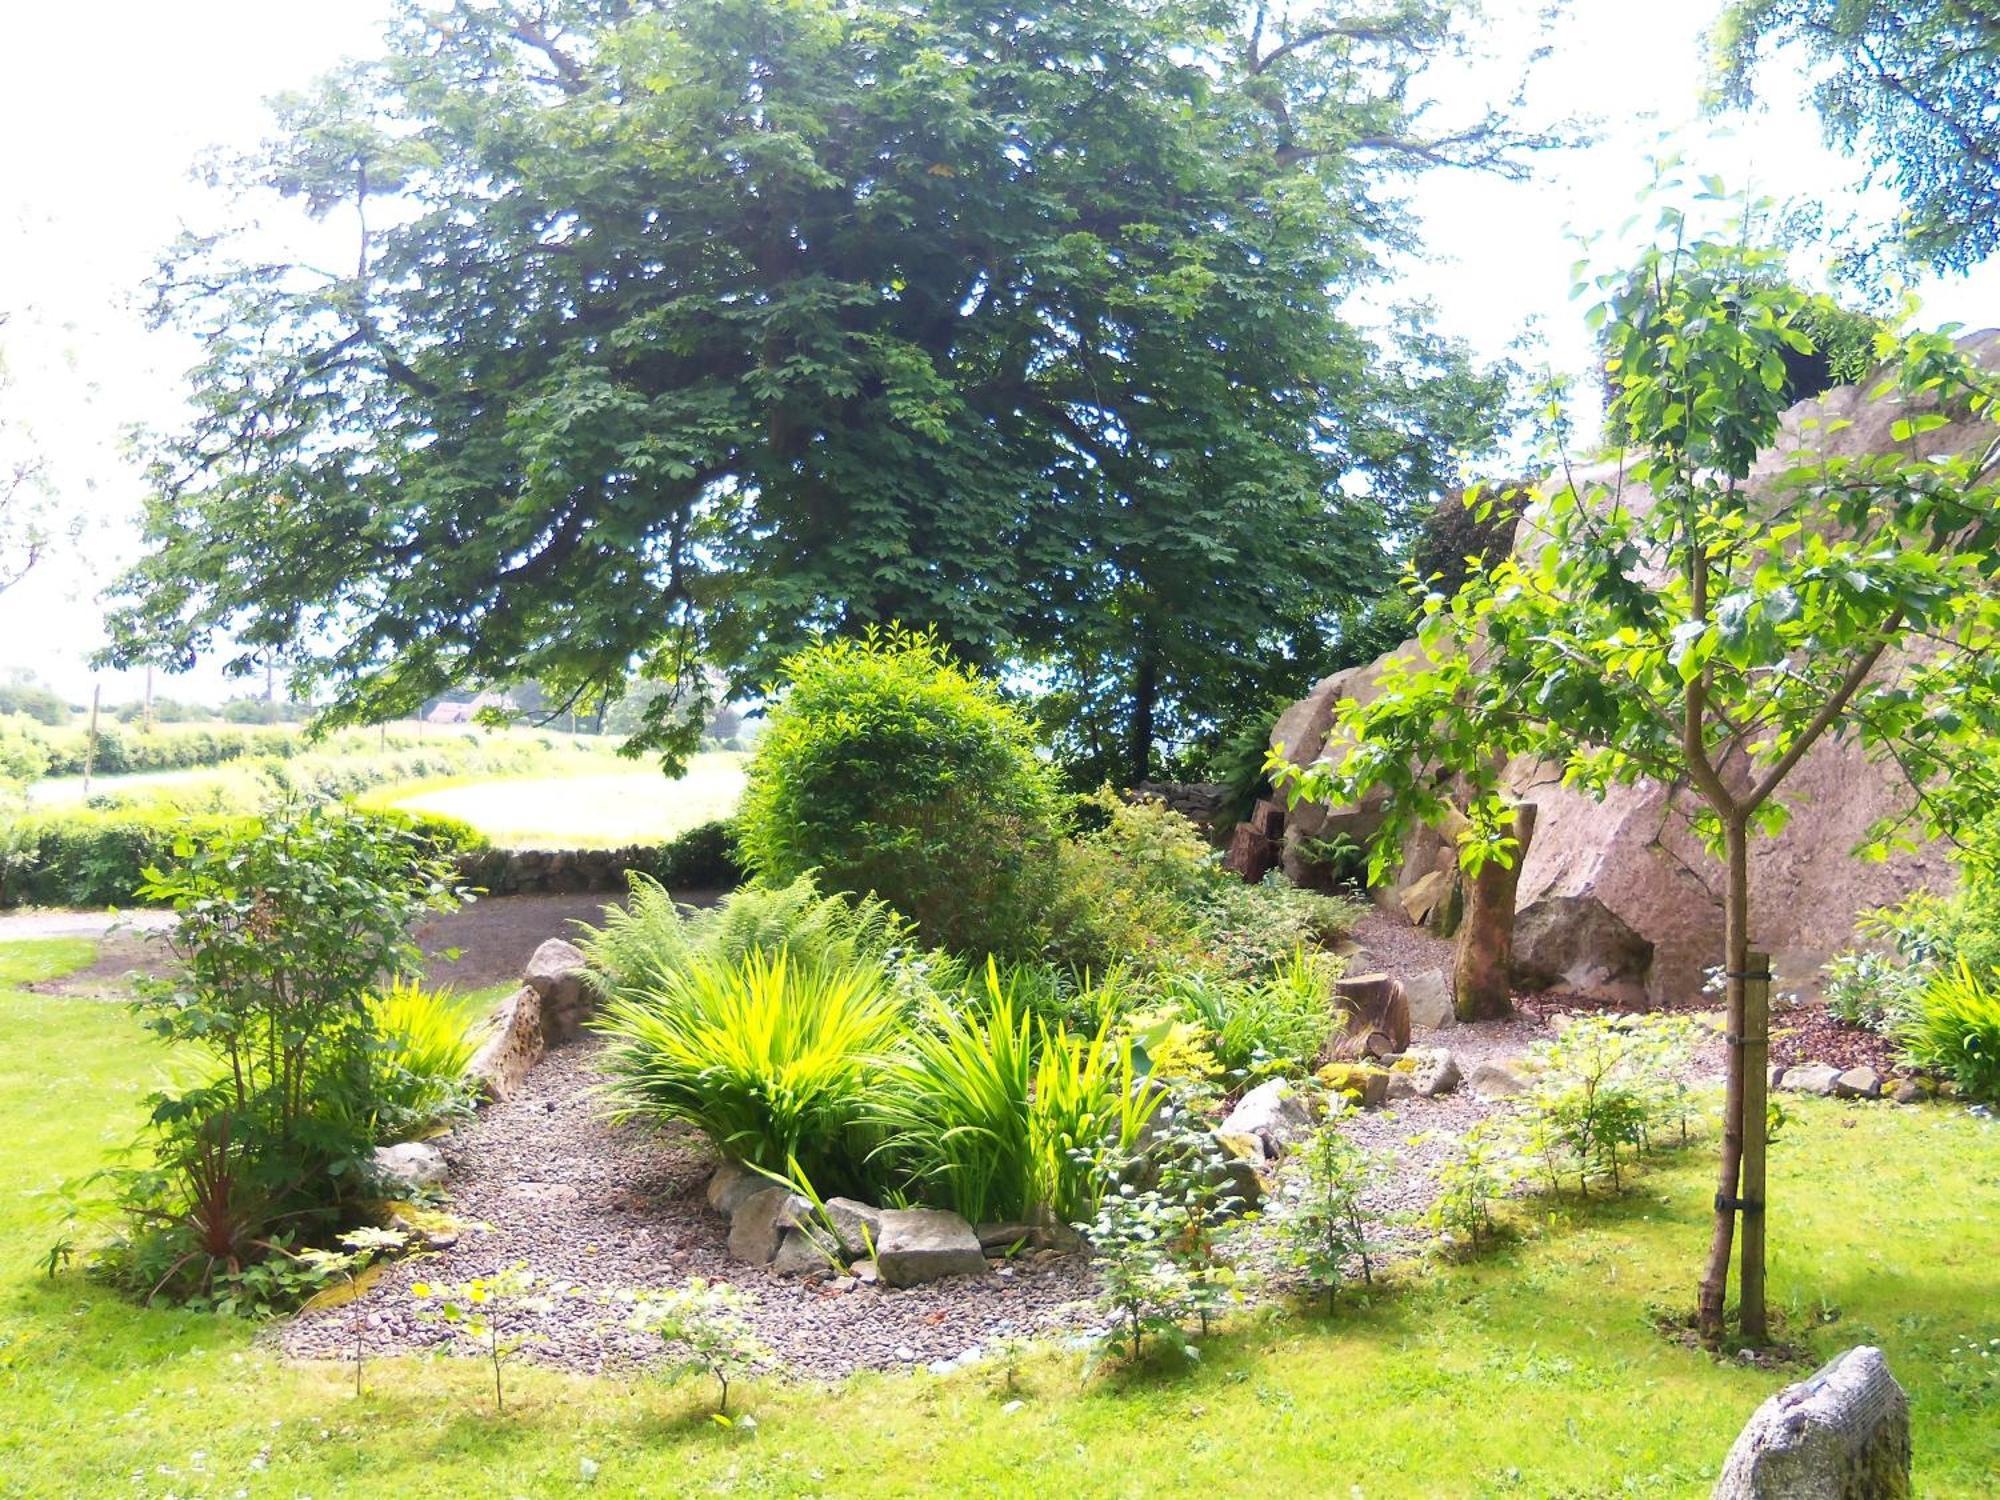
774, 1059
417, 1059
1904, 84
888, 768
1608, 1084
285, 930
1867, 989
863, 347
97, 857
495, 1310
23, 694
1324, 1226
1955, 1029
1484, 1164
359, 1249
1280, 1023
707, 1328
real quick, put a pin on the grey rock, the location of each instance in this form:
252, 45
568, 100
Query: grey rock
1913, 1091
1578, 943
856, 1225
1497, 1080
1429, 996
925, 1244
731, 1183
1273, 1113
758, 1226
408, 1168
998, 1239
1425, 1073
559, 974
1810, 1078
801, 1253
1859, 1083
1843, 1434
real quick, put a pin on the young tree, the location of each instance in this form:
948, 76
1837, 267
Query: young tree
1689, 613
678, 330
1910, 85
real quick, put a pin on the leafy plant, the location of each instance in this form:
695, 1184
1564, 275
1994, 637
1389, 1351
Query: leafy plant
1280, 1022
707, 1325
889, 768
417, 1061
1954, 1028
1325, 1226
360, 1248
772, 1060
494, 1310
1483, 1165
1867, 989
1143, 1285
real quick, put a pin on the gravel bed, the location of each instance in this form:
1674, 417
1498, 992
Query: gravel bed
620, 1207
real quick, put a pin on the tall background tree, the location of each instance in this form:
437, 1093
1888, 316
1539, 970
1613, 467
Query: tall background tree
1908, 84
675, 330
24, 491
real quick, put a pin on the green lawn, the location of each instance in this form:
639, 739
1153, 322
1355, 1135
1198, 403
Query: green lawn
1534, 1374
598, 809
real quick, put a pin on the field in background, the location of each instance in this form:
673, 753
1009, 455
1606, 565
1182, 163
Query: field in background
589, 809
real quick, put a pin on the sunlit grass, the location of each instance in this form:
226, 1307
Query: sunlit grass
1534, 1373
596, 809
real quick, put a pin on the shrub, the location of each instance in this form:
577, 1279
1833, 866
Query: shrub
284, 930
997, 1115
1607, 1084
1324, 1226
1867, 989
417, 1061
772, 1059
888, 768
1279, 1023
708, 1329
1954, 1028
1481, 1169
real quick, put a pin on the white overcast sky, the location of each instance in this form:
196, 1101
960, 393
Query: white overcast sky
106, 104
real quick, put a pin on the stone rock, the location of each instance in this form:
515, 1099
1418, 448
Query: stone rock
559, 974
1429, 997
1858, 1083
1243, 1170
1810, 1078
1843, 1434
856, 1225
1367, 1087
759, 1225
1498, 1080
1422, 898
1915, 1089
925, 1244
801, 1253
730, 1183
408, 1168
513, 1045
1268, 818
1578, 943
1272, 1113
1629, 851
1424, 1073
1378, 1017
998, 1239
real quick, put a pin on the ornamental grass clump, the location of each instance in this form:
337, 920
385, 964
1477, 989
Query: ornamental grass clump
1954, 1029
775, 1061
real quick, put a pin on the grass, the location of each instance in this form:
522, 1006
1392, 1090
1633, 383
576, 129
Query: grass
1534, 1373
598, 809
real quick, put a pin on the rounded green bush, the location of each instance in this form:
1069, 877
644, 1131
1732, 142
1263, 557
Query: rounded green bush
889, 768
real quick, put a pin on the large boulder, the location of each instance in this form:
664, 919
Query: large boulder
513, 1045
559, 973
1578, 943
1273, 1113
1843, 1434
917, 1245
1428, 994
1634, 853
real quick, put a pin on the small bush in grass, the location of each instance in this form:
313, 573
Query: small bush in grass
495, 1311
1324, 1225
888, 768
1870, 990
706, 1325
1954, 1029
775, 1061
285, 928
1481, 1169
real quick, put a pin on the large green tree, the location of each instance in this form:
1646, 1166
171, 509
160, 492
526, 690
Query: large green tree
1912, 85
672, 331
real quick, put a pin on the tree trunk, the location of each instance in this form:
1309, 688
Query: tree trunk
1736, 1123
1482, 984
1145, 699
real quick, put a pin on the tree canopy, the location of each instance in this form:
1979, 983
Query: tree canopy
1910, 83
676, 331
